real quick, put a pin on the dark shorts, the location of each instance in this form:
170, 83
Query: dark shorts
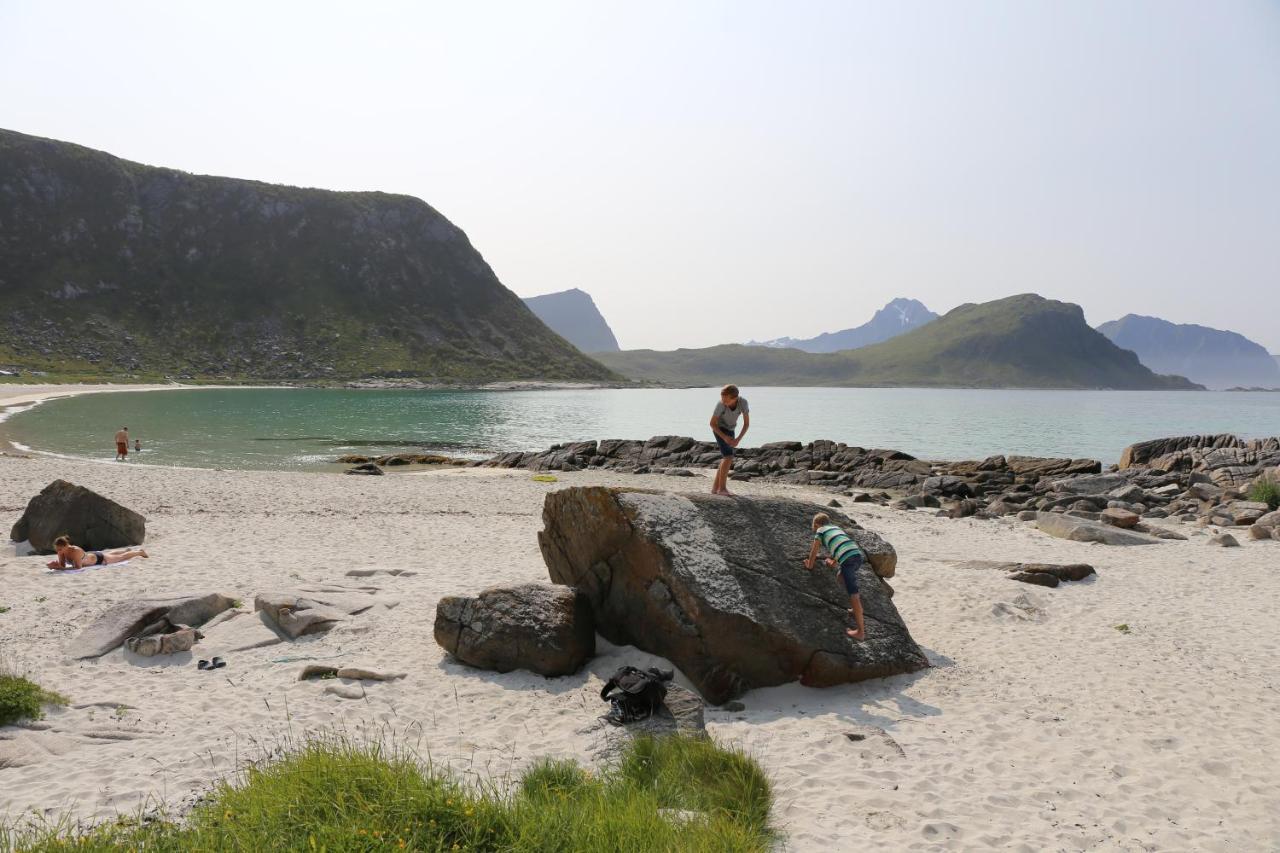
849, 573
726, 449
99, 557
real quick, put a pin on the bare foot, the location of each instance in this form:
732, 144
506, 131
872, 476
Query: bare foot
144, 554
856, 635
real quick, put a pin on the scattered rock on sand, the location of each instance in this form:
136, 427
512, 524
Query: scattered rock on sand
716, 586
1040, 574
365, 468
129, 618
1082, 530
539, 627
1117, 517
92, 521
1224, 540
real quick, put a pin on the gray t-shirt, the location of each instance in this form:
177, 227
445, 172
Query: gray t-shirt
727, 417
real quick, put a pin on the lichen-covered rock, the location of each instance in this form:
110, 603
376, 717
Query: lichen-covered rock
716, 585
538, 627
93, 522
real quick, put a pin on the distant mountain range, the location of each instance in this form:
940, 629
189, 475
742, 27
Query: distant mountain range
113, 268
899, 316
572, 314
1023, 341
1211, 357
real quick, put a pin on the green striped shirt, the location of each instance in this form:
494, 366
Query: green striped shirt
837, 543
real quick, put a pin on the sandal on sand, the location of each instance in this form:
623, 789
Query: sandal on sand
204, 664
217, 663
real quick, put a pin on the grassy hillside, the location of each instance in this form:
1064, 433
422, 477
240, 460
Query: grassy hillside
1023, 341
112, 268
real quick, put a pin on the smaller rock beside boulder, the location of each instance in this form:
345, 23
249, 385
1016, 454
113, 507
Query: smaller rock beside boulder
314, 610
93, 522
132, 618
1224, 540
1117, 517
543, 628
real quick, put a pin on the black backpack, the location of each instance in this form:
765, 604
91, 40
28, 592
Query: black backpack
634, 694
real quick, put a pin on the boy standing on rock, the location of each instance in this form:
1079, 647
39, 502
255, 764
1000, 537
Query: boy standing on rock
724, 422
845, 554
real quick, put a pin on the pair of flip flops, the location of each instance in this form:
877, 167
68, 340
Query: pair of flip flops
216, 663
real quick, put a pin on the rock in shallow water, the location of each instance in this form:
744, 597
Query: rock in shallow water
716, 585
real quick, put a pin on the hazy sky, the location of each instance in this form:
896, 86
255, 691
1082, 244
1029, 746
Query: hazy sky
718, 171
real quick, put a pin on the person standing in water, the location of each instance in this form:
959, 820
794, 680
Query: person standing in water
137, 445
724, 423
122, 444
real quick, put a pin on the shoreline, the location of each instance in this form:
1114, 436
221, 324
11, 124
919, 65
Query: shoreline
1040, 723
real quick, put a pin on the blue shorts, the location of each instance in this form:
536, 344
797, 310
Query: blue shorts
849, 573
726, 449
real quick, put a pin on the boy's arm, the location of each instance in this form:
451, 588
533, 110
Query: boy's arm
746, 425
715, 428
813, 555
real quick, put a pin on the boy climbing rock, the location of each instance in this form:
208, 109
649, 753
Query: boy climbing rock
846, 557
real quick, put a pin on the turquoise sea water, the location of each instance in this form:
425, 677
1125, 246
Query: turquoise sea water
307, 428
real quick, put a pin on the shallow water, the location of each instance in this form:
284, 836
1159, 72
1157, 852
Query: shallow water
307, 428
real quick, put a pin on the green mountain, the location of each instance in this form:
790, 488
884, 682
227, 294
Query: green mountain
109, 267
1023, 341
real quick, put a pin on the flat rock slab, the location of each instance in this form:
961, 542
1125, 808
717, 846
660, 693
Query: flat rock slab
127, 619
314, 609
1084, 530
242, 632
717, 586
93, 522
1039, 574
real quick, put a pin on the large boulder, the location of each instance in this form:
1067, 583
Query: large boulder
93, 522
716, 585
539, 627
1083, 530
128, 619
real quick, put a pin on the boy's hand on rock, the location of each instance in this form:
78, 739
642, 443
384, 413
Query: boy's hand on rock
831, 564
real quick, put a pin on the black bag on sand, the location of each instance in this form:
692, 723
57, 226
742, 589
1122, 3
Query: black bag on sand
634, 694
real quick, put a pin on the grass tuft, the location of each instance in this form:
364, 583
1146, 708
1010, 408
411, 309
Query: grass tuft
1266, 490
21, 699
331, 795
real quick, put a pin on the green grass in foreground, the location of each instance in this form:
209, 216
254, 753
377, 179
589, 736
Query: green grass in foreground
1266, 490
332, 796
21, 699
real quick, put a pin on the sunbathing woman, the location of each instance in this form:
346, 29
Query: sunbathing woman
74, 557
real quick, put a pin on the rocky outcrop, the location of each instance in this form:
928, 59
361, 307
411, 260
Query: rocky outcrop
1039, 574
716, 585
537, 627
92, 521
129, 619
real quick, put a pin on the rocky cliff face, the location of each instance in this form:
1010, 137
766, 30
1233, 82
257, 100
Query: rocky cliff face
1211, 357
113, 267
573, 315
900, 315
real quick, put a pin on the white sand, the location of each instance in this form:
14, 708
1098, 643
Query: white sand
1041, 726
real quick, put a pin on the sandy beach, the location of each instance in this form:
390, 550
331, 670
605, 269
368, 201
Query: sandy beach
1039, 726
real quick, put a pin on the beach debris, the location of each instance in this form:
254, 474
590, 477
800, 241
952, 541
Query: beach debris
541, 628
710, 584
93, 522
127, 619
682, 712
317, 670
317, 609
545, 478
1077, 529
